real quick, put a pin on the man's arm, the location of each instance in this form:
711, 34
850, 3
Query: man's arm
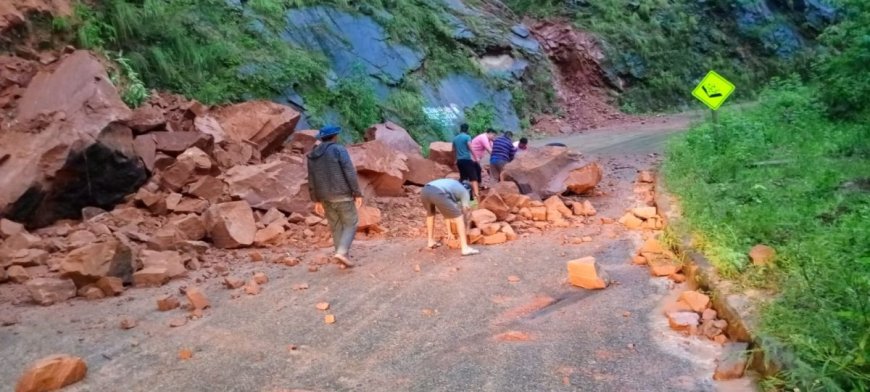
312, 183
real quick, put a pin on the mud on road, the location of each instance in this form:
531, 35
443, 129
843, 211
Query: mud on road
406, 320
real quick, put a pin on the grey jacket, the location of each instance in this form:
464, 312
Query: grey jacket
331, 175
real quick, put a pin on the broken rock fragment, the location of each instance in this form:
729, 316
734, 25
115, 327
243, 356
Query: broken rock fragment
47, 291
586, 273
683, 321
52, 373
166, 303
88, 264
110, 285
197, 298
697, 301
762, 254
231, 225
732, 362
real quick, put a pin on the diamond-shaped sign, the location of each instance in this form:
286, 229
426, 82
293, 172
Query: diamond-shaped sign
713, 90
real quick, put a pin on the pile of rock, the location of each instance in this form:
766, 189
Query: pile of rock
692, 315
660, 260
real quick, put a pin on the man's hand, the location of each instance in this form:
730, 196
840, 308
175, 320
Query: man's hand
358, 201
318, 209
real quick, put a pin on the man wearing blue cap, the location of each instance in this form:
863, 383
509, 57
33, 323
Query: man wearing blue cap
334, 187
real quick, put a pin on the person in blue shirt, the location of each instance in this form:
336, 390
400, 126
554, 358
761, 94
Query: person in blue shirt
503, 151
451, 199
469, 169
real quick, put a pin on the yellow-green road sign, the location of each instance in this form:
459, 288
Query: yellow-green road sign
713, 90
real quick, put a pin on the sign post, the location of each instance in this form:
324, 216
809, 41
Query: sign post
713, 91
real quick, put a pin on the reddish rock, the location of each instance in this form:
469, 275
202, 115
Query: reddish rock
175, 143
172, 261
496, 204
146, 118
177, 322
442, 152
586, 273
698, 302
482, 217
231, 225
23, 258
208, 125
61, 114
110, 285
127, 322
230, 154
584, 179
652, 245
277, 184
490, 229
91, 292
303, 141
555, 203
185, 354
509, 232
683, 321
644, 212
189, 227
88, 264
732, 363
539, 214
708, 314
232, 282
383, 167
542, 171
9, 228
369, 218
662, 267
261, 278
207, 188
178, 174
81, 238
677, 278
47, 291
583, 209
266, 124
630, 221
395, 137
762, 254
270, 235
495, 239
271, 216
151, 277
197, 298
52, 373
252, 288
513, 336
421, 171
712, 328
475, 236
22, 240
167, 303
17, 274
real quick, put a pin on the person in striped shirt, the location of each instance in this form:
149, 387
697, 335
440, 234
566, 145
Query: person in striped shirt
503, 151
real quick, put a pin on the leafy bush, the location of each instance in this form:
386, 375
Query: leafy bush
479, 118
843, 68
785, 175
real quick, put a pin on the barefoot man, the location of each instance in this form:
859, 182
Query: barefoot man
452, 200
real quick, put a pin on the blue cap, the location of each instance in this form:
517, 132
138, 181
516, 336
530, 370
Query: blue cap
328, 131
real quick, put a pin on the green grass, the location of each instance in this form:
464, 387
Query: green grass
786, 175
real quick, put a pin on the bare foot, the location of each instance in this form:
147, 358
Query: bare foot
342, 260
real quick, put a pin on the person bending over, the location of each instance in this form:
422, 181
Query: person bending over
452, 200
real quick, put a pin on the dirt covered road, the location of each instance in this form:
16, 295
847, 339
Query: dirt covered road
406, 319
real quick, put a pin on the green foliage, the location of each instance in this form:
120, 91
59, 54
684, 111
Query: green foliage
405, 106
204, 49
661, 48
132, 89
479, 118
843, 69
785, 175
354, 100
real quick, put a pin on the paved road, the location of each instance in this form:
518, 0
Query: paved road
397, 329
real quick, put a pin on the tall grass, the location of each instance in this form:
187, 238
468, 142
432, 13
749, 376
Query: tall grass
785, 175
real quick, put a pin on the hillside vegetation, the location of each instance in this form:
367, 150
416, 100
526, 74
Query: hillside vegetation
794, 173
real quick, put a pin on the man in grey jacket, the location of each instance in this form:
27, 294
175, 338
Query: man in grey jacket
333, 186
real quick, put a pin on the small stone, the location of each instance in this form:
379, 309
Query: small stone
52, 373
495, 239
252, 288
167, 303
261, 278
128, 322
322, 305
17, 274
644, 212
762, 254
9, 228
683, 321
177, 322
110, 285
586, 273
256, 256
313, 268
197, 298
708, 314
185, 354
233, 282
513, 279
697, 301
638, 260
91, 292
300, 286
329, 319
677, 278
513, 336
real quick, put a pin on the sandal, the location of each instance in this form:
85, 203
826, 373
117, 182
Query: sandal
342, 261
471, 252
